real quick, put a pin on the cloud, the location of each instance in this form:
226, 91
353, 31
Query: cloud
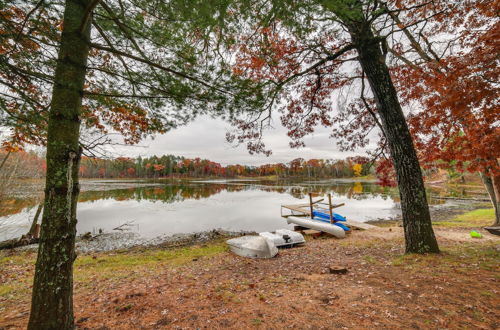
205, 138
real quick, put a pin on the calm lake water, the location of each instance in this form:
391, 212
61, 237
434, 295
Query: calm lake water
155, 209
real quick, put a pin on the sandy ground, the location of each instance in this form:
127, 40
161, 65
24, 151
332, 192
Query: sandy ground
383, 289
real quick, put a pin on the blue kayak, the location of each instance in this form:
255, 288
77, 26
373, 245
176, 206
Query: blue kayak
326, 218
322, 215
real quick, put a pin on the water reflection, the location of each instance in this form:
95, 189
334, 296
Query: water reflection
168, 208
172, 193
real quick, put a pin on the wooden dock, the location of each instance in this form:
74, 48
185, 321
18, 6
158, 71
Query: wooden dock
359, 225
305, 210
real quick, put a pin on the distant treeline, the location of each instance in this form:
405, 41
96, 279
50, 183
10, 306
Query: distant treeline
31, 165
174, 166
21, 164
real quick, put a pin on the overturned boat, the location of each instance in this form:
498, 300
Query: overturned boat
284, 238
252, 247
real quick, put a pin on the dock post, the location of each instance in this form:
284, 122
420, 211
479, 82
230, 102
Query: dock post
330, 207
311, 205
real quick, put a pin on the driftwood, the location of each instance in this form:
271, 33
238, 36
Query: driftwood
125, 225
32, 237
17, 242
35, 227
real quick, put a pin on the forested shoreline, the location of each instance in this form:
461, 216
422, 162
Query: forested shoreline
23, 164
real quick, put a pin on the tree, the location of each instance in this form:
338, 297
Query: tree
51, 304
357, 168
302, 55
451, 71
108, 75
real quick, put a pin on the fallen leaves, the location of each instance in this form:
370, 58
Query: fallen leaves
295, 289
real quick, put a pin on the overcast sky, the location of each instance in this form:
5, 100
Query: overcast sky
205, 138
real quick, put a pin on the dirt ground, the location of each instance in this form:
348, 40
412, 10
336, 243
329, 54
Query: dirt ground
458, 288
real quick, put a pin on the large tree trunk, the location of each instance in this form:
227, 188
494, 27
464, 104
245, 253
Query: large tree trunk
52, 300
418, 230
496, 186
492, 185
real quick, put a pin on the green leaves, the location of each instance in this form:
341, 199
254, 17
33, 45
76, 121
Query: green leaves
166, 58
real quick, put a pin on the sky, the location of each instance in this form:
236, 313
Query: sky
205, 138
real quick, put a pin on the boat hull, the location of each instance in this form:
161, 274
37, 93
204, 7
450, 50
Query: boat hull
317, 225
284, 238
252, 247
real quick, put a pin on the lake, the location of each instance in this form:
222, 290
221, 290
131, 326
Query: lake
164, 208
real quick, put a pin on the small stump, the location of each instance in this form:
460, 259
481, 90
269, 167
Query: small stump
337, 270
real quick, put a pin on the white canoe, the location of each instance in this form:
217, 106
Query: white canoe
317, 225
253, 247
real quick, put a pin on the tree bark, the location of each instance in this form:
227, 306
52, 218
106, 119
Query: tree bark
419, 234
52, 297
496, 186
492, 185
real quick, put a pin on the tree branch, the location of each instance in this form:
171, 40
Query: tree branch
157, 65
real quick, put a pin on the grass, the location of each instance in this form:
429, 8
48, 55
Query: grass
17, 290
368, 243
487, 293
476, 218
5, 289
385, 223
20, 258
366, 177
106, 265
371, 260
117, 265
459, 257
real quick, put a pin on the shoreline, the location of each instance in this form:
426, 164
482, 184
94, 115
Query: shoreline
126, 240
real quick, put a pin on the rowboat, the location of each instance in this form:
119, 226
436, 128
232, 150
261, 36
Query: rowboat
252, 247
